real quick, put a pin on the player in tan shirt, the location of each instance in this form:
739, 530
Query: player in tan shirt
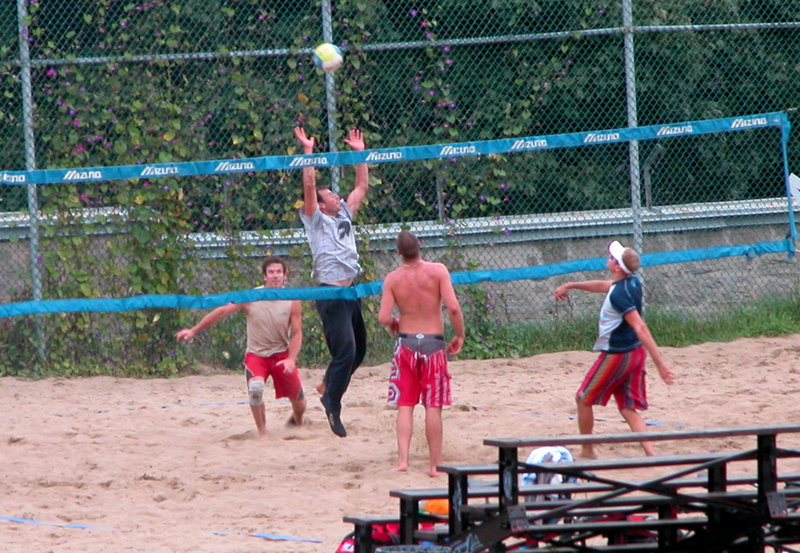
274, 337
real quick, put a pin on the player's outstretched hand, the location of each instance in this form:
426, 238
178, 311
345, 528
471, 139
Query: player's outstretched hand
561, 292
305, 141
184, 334
355, 139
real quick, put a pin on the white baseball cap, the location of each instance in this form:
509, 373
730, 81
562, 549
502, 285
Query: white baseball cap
615, 250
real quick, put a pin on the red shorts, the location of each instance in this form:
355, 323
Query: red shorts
620, 374
286, 385
419, 378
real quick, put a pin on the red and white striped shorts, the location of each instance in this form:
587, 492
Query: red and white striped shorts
419, 377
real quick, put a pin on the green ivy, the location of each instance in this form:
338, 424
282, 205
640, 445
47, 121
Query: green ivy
129, 238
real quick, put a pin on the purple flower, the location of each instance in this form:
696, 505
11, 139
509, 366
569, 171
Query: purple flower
482, 198
76, 122
52, 73
79, 149
413, 13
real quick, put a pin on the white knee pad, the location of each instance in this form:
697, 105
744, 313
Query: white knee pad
255, 390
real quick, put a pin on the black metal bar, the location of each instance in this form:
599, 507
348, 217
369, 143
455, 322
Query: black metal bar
409, 517
508, 485
767, 468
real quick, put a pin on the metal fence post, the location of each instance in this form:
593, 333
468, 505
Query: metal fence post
633, 145
30, 164
330, 98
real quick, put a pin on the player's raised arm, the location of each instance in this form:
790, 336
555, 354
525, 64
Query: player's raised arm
309, 173
355, 139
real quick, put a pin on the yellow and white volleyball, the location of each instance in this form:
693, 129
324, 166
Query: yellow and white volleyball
328, 57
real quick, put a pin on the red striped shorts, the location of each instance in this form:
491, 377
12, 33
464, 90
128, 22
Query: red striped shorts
419, 378
619, 374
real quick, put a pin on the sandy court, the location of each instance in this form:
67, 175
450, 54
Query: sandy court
104, 464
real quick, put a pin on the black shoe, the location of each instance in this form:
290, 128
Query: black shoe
336, 424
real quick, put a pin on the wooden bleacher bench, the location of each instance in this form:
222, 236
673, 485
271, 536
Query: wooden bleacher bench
640, 503
696, 498
411, 499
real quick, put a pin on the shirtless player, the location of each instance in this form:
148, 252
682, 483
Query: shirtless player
419, 365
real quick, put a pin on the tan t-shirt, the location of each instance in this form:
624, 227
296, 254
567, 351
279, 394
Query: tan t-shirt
268, 330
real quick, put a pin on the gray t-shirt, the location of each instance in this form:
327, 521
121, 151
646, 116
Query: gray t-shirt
333, 245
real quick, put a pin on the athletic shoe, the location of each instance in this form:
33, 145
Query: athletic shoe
333, 419
336, 424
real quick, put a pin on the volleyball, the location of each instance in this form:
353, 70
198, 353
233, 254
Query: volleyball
328, 57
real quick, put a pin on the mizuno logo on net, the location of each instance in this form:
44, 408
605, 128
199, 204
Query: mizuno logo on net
235, 166
308, 161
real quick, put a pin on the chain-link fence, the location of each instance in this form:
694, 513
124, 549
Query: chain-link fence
111, 83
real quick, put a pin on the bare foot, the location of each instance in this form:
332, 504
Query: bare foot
262, 433
320, 387
436, 473
401, 467
294, 422
587, 454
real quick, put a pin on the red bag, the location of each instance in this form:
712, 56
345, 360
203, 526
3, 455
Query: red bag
382, 534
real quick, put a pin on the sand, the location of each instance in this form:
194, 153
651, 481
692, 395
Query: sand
108, 464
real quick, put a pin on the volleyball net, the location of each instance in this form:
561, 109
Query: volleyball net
711, 193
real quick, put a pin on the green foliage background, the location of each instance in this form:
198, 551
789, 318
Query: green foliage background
152, 81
